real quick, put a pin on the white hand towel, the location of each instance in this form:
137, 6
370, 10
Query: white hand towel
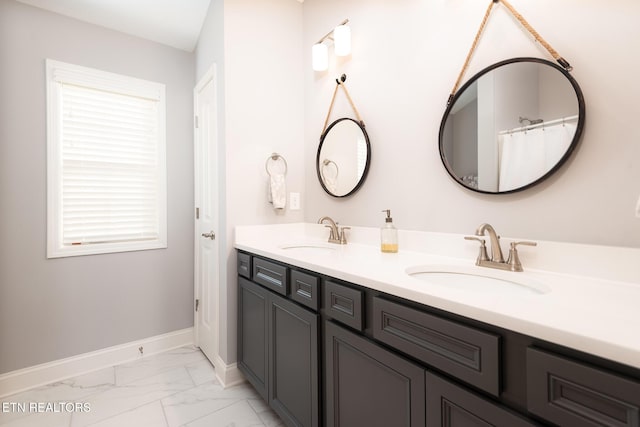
329, 174
278, 191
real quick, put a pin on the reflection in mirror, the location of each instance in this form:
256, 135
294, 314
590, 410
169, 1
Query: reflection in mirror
511, 126
343, 157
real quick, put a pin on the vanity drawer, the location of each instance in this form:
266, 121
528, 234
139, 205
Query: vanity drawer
304, 289
567, 392
344, 304
244, 265
451, 405
469, 354
271, 275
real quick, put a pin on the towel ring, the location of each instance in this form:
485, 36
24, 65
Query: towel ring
326, 163
274, 158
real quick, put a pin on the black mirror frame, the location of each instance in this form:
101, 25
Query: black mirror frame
567, 154
366, 167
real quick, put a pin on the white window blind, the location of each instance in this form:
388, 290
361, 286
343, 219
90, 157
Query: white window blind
107, 174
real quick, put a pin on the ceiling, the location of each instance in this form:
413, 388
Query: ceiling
175, 23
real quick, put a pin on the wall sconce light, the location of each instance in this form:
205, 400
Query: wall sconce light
320, 56
341, 37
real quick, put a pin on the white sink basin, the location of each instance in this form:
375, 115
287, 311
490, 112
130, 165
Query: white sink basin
478, 279
309, 247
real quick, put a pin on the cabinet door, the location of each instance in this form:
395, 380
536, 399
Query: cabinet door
451, 406
252, 334
370, 386
293, 365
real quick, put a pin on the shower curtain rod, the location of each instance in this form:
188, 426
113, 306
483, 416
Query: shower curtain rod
539, 125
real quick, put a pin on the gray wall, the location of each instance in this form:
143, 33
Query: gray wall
405, 59
51, 309
465, 140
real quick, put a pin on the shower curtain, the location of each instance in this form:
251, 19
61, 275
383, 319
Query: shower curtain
526, 156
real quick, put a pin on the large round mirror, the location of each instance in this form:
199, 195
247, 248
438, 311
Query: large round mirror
511, 126
343, 157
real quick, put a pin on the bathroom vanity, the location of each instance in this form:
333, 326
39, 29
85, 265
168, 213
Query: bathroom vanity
334, 335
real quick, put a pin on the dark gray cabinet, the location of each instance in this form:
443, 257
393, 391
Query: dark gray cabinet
271, 275
253, 330
293, 362
324, 352
344, 304
278, 344
449, 405
305, 289
244, 265
570, 393
466, 353
367, 385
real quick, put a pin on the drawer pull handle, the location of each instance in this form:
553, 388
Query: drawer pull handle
342, 304
303, 289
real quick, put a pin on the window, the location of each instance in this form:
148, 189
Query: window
106, 162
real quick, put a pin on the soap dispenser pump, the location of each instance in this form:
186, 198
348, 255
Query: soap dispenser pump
388, 235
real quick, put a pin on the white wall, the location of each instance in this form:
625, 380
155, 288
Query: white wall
406, 57
55, 308
262, 67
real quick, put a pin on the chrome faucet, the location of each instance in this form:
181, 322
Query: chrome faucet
497, 259
335, 235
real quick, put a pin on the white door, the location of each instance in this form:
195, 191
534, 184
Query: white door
206, 211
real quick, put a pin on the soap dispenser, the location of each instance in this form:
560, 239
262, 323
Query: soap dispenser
388, 235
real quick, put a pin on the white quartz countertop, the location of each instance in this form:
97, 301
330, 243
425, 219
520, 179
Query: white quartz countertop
591, 309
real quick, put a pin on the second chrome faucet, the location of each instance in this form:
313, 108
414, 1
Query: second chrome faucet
336, 235
497, 259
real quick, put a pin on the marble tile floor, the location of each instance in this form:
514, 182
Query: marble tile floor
171, 389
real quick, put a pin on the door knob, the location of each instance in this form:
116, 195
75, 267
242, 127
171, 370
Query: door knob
210, 235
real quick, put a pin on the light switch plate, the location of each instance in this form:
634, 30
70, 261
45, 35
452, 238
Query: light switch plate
638, 208
294, 201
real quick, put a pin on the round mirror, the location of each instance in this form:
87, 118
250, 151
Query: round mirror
511, 126
343, 157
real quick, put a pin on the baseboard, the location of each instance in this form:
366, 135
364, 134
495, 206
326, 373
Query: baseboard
34, 376
228, 375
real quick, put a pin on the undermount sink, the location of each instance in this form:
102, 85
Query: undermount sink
309, 246
478, 279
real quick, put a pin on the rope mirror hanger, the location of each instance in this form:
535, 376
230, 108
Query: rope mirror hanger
340, 84
563, 62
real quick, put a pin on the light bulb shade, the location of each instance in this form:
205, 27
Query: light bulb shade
342, 40
320, 57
